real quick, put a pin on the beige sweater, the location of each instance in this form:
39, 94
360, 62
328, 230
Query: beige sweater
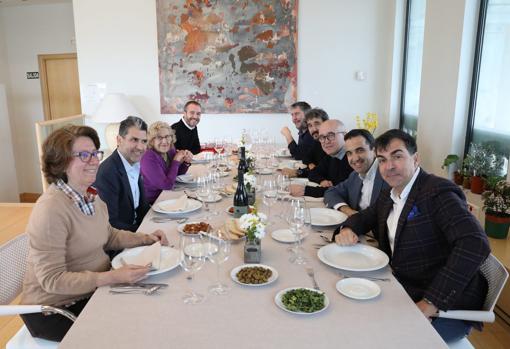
67, 249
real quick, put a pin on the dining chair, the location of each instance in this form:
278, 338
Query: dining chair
13, 264
496, 275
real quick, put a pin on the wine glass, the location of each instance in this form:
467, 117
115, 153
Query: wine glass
269, 194
204, 192
218, 147
218, 253
297, 220
193, 253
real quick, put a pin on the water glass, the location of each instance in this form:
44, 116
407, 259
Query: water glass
193, 253
297, 221
218, 253
269, 194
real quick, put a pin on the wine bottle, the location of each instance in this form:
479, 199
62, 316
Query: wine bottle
243, 165
241, 195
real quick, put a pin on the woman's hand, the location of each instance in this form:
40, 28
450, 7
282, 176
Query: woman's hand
128, 273
188, 157
159, 235
180, 155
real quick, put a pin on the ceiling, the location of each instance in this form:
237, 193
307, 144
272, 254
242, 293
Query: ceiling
8, 3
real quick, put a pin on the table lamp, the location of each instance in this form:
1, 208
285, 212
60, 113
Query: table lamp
113, 108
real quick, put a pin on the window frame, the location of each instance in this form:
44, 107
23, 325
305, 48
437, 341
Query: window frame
404, 63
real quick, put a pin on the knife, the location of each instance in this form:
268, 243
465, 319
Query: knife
137, 285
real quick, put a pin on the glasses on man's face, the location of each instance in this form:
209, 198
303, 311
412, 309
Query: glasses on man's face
86, 156
330, 136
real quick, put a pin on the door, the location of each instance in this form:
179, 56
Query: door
60, 85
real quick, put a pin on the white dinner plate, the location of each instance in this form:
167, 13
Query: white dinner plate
170, 258
354, 258
279, 295
180, 227
323, 217
191, 205
273, 277
286, 235
186, 179
358, 288
212, 198
264, 171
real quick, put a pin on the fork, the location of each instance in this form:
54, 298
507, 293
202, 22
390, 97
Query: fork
311, 273
147, 292
371, 278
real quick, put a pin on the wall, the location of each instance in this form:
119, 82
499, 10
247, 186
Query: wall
119, 49
31, 30
8, 181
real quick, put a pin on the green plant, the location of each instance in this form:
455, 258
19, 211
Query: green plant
482, 160
450, 159
497, 200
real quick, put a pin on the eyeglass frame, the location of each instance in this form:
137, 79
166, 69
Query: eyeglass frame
98, 154
330, 136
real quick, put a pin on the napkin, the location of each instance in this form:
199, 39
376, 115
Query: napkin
178, 204
229, 189
233, 227
150, 254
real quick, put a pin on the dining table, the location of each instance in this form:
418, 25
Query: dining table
248, 317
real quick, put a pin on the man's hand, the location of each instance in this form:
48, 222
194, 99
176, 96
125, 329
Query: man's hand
346, 237
289, 172
296, 190
325, 183
286, 133
347, 210
311, 166
427, 309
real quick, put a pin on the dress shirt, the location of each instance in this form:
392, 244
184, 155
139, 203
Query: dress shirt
398, 206
367, 186
133, 172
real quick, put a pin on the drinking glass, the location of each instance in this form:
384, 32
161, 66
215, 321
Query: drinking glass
269, 193
219, 251
297, 222
203, 193
193, 254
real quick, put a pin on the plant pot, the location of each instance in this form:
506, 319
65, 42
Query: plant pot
251, 197
477, 184
458, 178
252, 251
466, 182
496, 226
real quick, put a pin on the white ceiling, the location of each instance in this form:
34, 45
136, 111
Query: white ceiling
6, 3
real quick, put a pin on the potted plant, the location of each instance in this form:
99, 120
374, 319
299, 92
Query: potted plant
482, 162
497, 210
254, 225
250, 181
448, 162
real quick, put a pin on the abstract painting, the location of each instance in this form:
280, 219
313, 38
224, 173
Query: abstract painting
232, 56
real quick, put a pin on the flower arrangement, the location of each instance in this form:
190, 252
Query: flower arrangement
250, 160
497, 200
370, 122
254, 224
250, 181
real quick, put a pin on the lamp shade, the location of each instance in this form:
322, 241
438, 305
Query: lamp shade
114, 107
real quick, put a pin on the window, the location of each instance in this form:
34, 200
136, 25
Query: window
411, 75
489, 109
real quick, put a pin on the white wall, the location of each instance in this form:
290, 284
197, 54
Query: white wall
336, 38
8, 181
29, 31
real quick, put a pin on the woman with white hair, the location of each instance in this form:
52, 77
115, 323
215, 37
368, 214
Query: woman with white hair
162, 163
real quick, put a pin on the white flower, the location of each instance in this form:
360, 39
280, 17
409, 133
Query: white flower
253, 224
250, 179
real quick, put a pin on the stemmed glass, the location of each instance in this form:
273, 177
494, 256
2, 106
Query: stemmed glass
193, 253
297, 220
204, 192
219, 251
283, 190
269, 193
218, 147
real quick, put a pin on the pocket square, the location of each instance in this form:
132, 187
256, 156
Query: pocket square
413, 213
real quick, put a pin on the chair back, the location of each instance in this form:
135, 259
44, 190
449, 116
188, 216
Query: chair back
496, 275
13, 264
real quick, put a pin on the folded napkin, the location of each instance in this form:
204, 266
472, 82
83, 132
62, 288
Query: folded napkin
150, 254
178, 204
233, 227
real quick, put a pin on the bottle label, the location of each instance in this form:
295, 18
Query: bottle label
240, 210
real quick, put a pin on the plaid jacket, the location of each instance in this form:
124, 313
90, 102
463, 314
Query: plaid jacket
439, 244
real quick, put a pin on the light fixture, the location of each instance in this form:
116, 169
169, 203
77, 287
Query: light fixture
113, 108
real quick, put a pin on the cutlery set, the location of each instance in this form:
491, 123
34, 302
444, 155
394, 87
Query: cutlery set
371, 278
137, 288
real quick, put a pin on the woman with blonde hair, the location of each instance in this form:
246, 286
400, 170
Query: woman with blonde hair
162, 163
69, 233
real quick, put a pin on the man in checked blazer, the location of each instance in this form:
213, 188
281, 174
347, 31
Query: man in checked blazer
436, 246
362, 187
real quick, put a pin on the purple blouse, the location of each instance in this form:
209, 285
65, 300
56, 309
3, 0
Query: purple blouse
157, 176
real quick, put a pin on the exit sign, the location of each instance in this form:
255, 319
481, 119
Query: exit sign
32, 75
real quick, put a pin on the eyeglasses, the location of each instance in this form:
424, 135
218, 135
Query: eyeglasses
86, 156
166, 138
330, 136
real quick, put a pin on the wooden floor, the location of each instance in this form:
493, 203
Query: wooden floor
13, 220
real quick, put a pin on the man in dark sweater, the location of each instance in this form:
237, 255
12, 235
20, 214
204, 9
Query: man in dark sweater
333, 168
186, 129
305, 141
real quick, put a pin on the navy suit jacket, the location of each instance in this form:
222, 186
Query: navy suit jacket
113, 187
349, 191
303, 147
439, 245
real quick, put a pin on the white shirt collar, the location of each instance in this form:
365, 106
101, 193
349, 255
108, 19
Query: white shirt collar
371, 171
186, 124
405, 193
340, 155
129, 168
